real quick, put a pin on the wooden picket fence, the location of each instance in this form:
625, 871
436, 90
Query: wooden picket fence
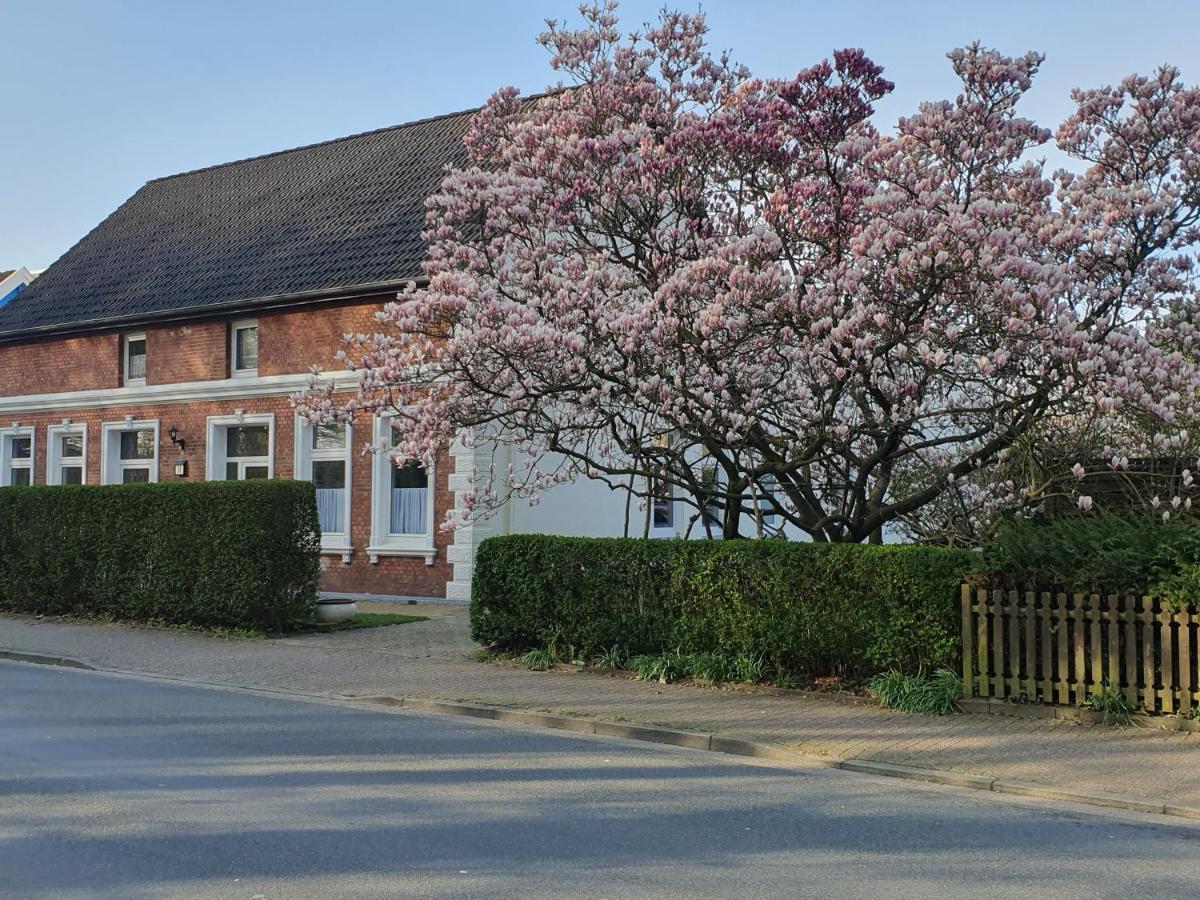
1058, 648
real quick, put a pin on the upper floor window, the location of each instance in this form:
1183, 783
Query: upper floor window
16, 457
243, 350
134, 353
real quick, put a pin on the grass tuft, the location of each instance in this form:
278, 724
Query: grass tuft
936, 694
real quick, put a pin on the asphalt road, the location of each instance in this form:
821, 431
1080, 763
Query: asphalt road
130, 788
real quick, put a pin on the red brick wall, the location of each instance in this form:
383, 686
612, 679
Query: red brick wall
290, 342
65, 364
295, 340
391, 575
193, 352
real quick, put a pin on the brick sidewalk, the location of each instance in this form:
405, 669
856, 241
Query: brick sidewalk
433, 659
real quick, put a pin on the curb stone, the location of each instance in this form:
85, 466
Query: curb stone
42, 659
711, 743
738, 747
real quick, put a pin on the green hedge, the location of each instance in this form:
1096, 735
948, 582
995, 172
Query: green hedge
226, 553
1097, 552
807, 608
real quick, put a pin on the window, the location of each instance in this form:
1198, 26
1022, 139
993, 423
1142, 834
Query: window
770, 487
323, 457
241, 447
134, 368
16, 456
662, 506
66, 454
247, 452
401, 501
243, 350
130, 452
410, 489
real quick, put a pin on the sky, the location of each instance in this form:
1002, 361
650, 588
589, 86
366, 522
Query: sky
99, 96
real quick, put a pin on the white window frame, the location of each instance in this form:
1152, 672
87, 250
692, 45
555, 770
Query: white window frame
214, 454
338, 543
663, 531
54, 459
127, 380
234, 327
7, 463
111, 464
383, 543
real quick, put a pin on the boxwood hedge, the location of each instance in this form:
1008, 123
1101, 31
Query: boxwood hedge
228, 553
814, 609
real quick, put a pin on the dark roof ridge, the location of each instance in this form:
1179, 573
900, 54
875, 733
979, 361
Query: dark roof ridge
315, 144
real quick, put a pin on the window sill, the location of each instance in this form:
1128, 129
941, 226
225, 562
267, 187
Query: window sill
338, 550
375, 552
244, 373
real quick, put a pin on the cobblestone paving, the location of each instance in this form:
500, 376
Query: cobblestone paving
434, 659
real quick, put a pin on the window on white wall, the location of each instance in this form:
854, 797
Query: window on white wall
401, 501
134, 359
323, 457
130, 452
16, 456
66, 454
243, 349
662, 507
241, 447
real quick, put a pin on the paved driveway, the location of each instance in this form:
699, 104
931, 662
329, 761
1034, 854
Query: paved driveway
116, 787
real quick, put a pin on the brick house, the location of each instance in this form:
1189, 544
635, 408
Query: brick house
166, 343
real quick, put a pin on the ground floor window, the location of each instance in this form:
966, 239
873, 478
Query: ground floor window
241, 447
130, 452
662, 506
401, 499
16, 456
66, 454
323, 455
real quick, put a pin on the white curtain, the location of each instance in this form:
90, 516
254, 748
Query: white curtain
408, 511
331, 509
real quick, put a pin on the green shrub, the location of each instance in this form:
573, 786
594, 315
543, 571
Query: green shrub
1113, 706
230, 554
937, 694
778, 606
1097, 552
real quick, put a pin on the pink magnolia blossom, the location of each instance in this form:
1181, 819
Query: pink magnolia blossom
669, 271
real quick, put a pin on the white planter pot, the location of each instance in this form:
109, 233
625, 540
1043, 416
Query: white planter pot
331, 612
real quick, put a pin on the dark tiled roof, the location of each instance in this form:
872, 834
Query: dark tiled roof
342, 214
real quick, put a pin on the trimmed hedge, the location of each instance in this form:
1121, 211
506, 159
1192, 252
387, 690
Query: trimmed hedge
1099, 552
817, 609
225, 553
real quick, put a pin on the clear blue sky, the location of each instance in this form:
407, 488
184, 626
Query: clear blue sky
98, 96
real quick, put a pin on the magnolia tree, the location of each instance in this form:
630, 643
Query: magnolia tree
673, 276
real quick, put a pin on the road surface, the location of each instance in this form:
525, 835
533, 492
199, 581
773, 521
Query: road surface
133, 788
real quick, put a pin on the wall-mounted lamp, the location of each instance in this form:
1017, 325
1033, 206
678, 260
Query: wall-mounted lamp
173, 434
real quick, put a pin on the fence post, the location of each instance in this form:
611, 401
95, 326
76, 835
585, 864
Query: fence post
1185, 663
968, 649
1064, 681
